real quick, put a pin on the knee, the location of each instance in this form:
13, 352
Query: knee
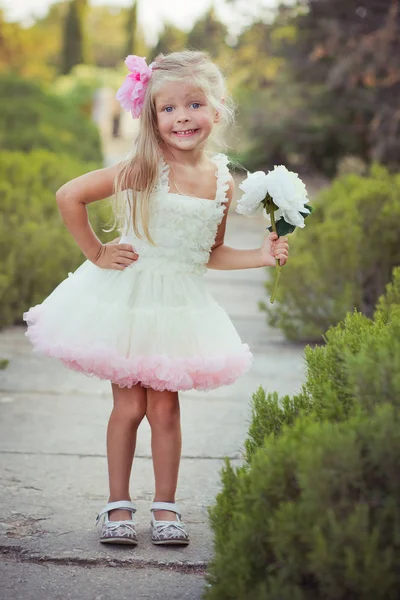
163, 414
131, 412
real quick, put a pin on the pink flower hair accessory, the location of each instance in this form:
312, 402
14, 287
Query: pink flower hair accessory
132, 92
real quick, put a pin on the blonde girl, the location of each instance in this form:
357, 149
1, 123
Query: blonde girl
137, 311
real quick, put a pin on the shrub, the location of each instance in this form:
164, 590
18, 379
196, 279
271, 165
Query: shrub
36, 248
344, 257
269, 414
388, 306
317, 515
312, 507
357, 365
79, 87
32, 118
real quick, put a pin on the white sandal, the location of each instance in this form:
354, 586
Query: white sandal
118, 532
168, 532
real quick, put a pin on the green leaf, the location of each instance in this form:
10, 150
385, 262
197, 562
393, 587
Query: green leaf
283, 228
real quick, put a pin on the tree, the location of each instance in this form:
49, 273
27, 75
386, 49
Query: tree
353, 48
74, 43
172, 39
208, 34
131, 29
25, 50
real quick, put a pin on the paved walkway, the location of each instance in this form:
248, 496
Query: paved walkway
53, 463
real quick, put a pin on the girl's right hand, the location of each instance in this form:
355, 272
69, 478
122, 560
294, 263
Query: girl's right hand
115, 256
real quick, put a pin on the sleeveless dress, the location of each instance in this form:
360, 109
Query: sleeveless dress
154, 323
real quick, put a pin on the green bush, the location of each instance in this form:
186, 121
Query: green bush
318, 133
344, 257
79, 87
36, 249
311, 507
356, 351
388, 306
317, 515
269, 414
32, 118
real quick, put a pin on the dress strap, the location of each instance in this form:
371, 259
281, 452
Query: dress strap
162, 184
223, 177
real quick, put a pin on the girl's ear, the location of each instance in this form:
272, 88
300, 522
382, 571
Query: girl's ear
217, 117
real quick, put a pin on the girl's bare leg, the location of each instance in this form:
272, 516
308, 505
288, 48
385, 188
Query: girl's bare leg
127, 413
163, 414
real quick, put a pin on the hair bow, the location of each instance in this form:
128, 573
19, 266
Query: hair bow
132, 92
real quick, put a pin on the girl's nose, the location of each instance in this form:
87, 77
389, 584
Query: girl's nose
182, 118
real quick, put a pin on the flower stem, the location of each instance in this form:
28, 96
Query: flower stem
278, 267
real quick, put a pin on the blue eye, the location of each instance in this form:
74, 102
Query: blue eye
196, 104
168, 109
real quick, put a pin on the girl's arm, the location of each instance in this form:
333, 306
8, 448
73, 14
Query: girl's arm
72, 199
224, 257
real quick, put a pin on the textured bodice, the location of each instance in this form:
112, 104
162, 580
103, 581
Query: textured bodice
182, 227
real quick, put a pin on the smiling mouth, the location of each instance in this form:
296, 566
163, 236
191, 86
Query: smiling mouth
186, 132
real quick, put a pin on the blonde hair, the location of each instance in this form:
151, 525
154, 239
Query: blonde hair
140, 171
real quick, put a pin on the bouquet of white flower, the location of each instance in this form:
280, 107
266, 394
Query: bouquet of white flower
284, 197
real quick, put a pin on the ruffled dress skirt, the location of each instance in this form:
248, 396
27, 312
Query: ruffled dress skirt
164, 331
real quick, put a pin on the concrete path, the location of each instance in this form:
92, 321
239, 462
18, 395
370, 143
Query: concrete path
53, 463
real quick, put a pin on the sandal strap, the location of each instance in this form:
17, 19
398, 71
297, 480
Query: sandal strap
127, 504
166, 506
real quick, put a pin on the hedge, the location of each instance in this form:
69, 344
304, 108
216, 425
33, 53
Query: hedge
31, 118
36, 248
317, 517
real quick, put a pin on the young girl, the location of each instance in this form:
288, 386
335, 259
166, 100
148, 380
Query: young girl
137, 311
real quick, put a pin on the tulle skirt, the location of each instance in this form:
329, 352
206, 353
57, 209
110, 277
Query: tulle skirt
154, 326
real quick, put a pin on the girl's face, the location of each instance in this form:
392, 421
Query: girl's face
185, 117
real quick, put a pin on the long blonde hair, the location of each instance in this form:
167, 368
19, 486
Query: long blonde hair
140, 171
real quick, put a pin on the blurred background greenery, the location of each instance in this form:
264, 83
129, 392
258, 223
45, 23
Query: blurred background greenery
317, 85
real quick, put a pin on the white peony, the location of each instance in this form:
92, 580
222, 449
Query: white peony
286, 189
255, 190
288, 193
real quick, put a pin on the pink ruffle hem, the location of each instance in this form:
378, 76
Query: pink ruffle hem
159, 371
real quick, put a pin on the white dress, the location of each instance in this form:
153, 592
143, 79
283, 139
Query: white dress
154, 323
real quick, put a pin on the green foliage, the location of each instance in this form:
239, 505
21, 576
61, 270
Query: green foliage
317, 81
27, 51
37, 250
110, 35
353, 50
358, 366
74, 43
222, 513
78, 89
131, 29
31, 118
3, 363
284, 122
172, 39
317, 516
389, 304
314, 512
337, 263
270, 413
208, 33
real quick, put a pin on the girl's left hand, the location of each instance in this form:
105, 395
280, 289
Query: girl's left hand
274, 247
